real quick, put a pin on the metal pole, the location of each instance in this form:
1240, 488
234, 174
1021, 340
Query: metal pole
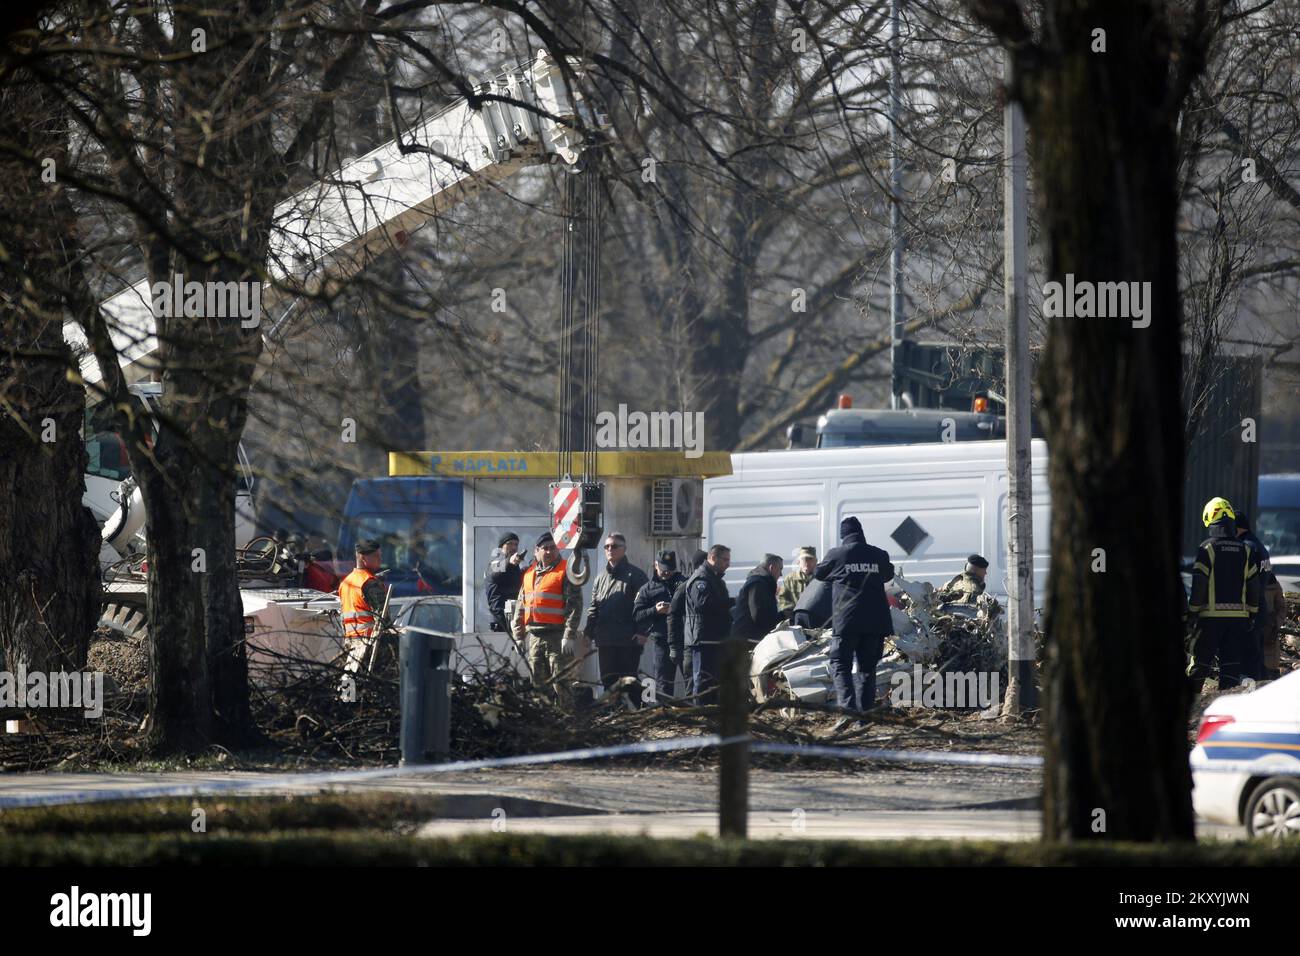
1022, 690
895, 218
733, 761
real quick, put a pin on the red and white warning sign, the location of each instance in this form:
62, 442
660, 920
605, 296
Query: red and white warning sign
566, 513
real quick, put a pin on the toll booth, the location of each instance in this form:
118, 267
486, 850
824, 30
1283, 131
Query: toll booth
653, 498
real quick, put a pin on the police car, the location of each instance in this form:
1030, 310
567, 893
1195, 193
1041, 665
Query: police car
1246, 764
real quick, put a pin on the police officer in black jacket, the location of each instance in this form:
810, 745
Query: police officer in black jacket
860, 618
681, 651
650, 611
708, 620
1263, 625
756, 610
813, 609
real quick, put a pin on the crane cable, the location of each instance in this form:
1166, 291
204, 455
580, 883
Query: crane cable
567, 304
592, 319
580, 333
580, 253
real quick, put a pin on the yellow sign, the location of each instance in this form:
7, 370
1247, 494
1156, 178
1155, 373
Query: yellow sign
542, 464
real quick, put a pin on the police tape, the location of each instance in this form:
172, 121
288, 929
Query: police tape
902, 756
329, 778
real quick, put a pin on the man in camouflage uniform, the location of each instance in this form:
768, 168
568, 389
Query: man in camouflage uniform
552, 642
966, 587
793, 584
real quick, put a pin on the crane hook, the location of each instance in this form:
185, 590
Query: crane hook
579, 569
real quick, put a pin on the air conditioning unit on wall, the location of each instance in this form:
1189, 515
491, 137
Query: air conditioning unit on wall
676, 507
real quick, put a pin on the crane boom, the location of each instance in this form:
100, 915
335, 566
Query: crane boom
334, 227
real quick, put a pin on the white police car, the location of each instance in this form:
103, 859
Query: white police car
1246, 764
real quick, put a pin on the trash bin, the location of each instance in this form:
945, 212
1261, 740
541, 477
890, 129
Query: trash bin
426, 694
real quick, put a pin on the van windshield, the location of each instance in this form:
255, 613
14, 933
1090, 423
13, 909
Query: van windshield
416, 548
1279, 530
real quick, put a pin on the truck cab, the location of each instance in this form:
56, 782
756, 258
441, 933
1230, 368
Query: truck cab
418, 522
856, 427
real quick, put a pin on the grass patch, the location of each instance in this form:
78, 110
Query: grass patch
383, 848
376, 830
226, 814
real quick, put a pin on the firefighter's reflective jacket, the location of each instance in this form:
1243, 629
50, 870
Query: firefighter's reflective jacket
1225, 577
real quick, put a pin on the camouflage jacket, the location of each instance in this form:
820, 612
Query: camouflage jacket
963, 589
792, 586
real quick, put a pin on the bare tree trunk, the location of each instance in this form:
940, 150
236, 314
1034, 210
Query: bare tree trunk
198, 666
49, 573
1105, 160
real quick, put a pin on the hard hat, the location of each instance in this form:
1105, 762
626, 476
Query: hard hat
1215, 509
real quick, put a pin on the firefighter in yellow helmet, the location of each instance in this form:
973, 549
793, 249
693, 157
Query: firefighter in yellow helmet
1225, 593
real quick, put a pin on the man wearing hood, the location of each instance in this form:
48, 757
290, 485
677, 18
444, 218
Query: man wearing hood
860, 618
1225, 593
756, 610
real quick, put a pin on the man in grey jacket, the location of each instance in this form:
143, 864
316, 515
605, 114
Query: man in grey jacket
610, 623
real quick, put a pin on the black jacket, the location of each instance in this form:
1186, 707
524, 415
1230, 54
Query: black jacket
1266, 575
756, 611
814, 606
677, 621
857, 573
1264, 617
609, 617
708, 608
648, 620
503, 586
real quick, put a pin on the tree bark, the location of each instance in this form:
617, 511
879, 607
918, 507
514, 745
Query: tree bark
49, 542
225, 196
1104, 157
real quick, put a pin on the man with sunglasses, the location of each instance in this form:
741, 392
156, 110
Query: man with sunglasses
611, 623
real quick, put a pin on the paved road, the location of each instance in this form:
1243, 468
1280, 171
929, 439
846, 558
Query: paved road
890, 803
773, 825
600, 789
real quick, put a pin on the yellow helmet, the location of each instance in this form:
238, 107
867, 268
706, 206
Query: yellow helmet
1215, 509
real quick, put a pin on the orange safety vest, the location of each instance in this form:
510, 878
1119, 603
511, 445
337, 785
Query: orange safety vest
544, 599
358, 616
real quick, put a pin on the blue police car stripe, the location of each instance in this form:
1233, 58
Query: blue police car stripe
1250, 745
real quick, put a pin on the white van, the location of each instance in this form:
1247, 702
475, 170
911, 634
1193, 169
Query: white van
928, 505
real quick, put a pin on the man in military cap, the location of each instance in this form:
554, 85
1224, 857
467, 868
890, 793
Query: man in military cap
967, 586
548, 612
792, 584
362, 594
